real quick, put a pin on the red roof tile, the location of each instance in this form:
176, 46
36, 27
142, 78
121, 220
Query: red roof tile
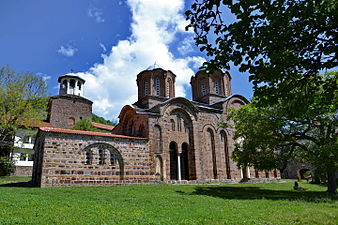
102, 126
92, 133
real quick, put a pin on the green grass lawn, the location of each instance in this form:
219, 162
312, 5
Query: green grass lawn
273, 203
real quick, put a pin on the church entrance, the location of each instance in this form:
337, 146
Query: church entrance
173, 161
181, 164
185, 162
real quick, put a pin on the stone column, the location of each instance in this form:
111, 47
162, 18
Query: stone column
76, 90
68, 89
179, 166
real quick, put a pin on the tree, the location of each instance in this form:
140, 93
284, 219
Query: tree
20, 100
273, 135
277, 42
99, 119
283, 45
86, 124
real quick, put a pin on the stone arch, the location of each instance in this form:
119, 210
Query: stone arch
224, 141
211, 142
113, 153
181, 104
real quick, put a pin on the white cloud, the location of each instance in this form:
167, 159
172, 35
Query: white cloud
68, 51
187, 45
112, 83
96, 14
103, 47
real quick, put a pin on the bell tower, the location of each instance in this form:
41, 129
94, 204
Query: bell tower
65, 109
208, 88
71, 85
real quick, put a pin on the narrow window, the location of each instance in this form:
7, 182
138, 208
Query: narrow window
203, 91
89, 157
172, 124
64, 84
168, 88
101, 157
216, 87
158, 86
72, 84
146, 88
178, 124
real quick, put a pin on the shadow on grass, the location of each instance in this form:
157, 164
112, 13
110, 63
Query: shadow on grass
28, 184
251, 193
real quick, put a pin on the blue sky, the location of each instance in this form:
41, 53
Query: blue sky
106, 42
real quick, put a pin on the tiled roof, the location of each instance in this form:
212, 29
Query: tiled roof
102, 126
91, 133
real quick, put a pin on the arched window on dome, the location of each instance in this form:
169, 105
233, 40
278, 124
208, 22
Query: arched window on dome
216, 86
146, 88
169, 88
203, 90
158, 86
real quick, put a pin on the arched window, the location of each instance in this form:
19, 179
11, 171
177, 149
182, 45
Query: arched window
79, 85
72, 84
213, 151
216, 86
71, 121
170, 88
89, 157
226, 153
64, 84
203, 90
179, 124
172, 124
158, 86
146, 88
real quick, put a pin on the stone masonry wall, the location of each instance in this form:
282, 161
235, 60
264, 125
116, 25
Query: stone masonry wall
65, 110
64, 161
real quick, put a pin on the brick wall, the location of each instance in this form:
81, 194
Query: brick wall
62, 161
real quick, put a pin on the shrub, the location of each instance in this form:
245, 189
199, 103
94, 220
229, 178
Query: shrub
6, 166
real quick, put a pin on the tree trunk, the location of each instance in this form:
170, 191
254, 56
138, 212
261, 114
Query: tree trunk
331, 183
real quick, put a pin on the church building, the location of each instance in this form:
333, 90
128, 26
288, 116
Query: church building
159, 138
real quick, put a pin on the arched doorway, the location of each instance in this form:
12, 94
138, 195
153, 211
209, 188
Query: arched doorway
173, 161
185, 162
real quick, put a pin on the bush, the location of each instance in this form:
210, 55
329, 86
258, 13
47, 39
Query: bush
6, 166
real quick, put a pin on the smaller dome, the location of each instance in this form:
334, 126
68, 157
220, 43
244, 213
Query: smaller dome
69, 75
155, 66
